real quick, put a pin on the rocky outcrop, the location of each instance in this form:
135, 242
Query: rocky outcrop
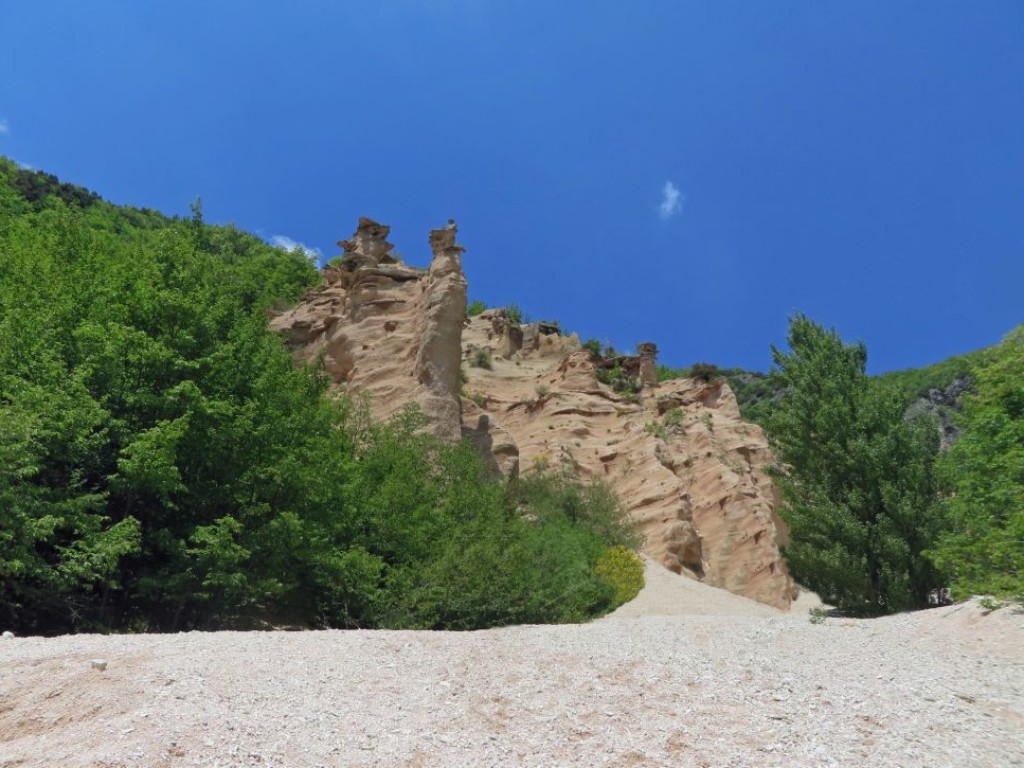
688, 469
648, 353
389, 330
943, 404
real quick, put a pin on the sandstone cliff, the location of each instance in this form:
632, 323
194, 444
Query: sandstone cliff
688, 469
388, 329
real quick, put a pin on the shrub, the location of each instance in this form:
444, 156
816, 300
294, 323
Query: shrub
705, 371
623, 571
482, 359
593, 346
620, 381
515, 314
668, 374
541, 549
593, 505
542, 390
989, 603
673, 417
475, 308
656, 429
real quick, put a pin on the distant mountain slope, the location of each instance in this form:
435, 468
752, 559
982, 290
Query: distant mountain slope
939, 384
259, 271
25, 191
916, 382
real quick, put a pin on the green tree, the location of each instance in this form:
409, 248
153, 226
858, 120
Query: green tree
858, 483
984, 549
163, 465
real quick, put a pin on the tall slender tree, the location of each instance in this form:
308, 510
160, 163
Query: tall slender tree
858, 479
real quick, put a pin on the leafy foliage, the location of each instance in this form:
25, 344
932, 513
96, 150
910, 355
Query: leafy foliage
915, 382
527, 553
758, 394
656, 429
164, 466
984, 549
515, 314
860, 487
618, 378
482, 359
623, 570
594, 507
705, 371
673, 417
593, 346
475, 308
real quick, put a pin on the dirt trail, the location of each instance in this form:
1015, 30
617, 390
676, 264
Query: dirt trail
732, 683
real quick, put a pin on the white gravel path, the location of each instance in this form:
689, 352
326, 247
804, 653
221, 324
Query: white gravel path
939, 688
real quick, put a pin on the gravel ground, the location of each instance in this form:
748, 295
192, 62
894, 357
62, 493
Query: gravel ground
719, 688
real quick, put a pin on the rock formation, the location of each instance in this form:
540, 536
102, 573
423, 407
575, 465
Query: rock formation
688, 469
943, 404
388, 329
648, 353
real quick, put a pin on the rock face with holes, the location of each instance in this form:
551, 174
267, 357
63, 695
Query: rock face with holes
679, 456
388, 329
688, 469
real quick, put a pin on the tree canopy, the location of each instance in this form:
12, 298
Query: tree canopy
163, 465
983, 548
858, 482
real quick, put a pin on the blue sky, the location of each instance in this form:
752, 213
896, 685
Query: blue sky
683, 172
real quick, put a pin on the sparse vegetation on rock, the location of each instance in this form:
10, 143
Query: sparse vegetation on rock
482, 359
515, 315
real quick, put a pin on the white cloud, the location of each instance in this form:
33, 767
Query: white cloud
287, 243
671, 201
5, 127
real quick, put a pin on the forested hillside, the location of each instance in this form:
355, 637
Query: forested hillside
758, 393
163, 465
880, 518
